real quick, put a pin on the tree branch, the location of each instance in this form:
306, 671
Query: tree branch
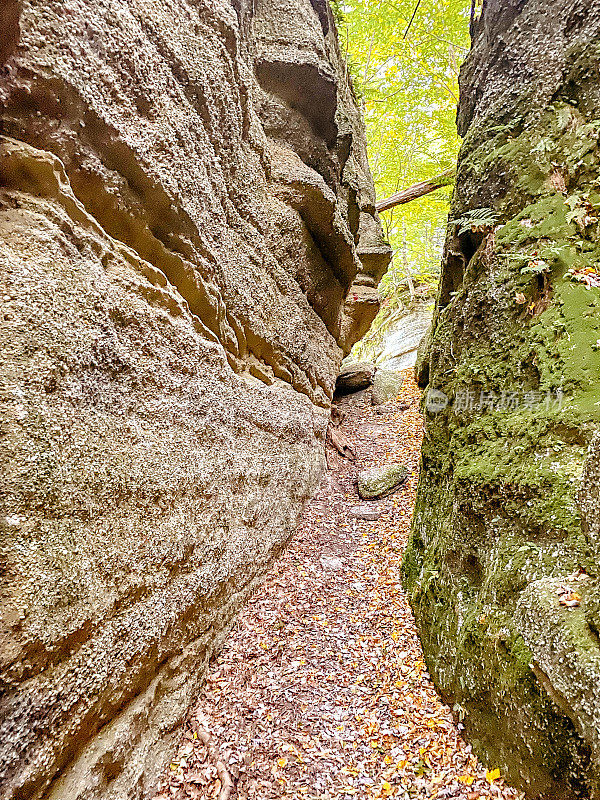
418, 190
215, 757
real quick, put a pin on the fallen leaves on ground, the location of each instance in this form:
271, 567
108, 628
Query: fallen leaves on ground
321, 690
588, 276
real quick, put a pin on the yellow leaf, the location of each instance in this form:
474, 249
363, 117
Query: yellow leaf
492, 775
282, 762
468, 780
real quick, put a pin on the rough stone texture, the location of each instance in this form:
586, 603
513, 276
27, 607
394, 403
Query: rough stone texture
399, 345
566, 655
589, 498
422, 359
386, 386
185, 210
365, 512
355, 376
497, 516
10, 11
377, 482
565, 641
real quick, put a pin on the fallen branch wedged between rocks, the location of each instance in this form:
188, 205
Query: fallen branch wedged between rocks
341, 444
215, 757
416, 191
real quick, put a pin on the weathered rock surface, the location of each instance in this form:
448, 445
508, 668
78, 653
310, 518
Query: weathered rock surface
398, 347
355, 376
376, 482
10, 12
189, 246
566, 654
563, 637
514, 351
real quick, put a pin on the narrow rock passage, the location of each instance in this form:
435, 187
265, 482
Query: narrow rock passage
321, 691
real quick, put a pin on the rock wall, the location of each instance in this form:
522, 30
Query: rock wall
189, 245
397, 346
505, 533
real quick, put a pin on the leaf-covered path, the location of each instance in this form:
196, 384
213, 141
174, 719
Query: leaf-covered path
321, 691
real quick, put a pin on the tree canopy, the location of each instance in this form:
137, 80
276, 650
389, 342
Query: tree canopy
405, 57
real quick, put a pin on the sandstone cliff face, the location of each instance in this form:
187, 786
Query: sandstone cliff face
507, 512
188, 247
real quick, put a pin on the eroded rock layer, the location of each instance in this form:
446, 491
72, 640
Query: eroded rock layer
503, 564
188, 246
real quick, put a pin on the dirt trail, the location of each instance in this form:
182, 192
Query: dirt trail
321, 691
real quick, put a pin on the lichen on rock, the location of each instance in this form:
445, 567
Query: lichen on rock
386, 386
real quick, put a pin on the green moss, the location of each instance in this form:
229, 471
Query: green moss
497, 502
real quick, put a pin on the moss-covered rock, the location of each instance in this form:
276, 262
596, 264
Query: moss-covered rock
386, 386
515, 348
378, 482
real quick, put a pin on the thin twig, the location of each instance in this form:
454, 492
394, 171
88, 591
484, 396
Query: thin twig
411, 19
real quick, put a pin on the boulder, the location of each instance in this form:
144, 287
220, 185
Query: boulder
377, 482
422, 360
387, 384
355, 376
497, 515
185, 206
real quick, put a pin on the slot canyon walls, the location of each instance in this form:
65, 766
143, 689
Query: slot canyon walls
188, 246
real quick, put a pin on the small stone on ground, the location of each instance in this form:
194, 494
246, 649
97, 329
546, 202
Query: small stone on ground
366, 512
